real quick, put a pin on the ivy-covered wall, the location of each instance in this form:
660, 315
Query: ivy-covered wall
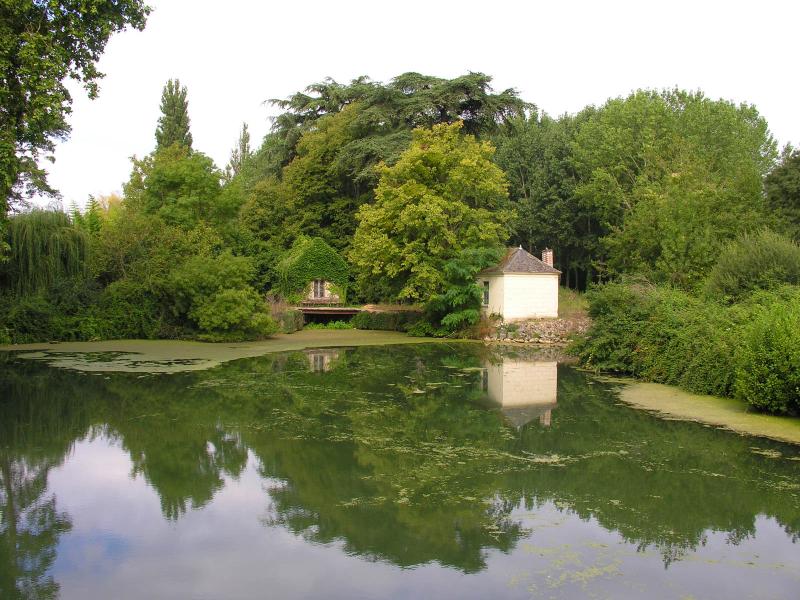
307, 260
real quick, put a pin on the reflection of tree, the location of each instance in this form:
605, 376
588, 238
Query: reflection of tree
175, 441
38, 423
30, 527
392, 453
657, 482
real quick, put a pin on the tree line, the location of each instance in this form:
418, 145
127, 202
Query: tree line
407, 180
417, 182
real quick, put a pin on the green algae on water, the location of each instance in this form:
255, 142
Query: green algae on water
728, 413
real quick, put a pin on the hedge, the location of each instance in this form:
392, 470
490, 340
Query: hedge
750, 350
386, 321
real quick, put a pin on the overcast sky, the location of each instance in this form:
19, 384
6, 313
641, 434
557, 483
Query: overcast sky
561, 55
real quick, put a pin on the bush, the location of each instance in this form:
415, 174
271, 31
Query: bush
290, 320
330, 325
233, 315
386, 321
215, 294
201, 277
765, 260
458, 308
128, 310
29, 319
661, 334
768, 373
750, 350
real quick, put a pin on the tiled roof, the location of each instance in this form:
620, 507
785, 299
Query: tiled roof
517, 260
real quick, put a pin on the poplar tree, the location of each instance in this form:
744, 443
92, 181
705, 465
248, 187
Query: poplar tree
240, 154
173, 125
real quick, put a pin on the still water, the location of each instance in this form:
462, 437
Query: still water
426, 471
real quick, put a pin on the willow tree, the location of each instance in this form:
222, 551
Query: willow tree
45, 247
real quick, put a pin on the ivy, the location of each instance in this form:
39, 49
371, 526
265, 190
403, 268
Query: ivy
307, 260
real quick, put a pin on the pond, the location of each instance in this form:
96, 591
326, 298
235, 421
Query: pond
433, 470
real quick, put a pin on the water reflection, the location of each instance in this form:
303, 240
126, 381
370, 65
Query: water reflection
394, 454
320, 360
523, 389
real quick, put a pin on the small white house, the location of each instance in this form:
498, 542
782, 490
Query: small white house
521, 286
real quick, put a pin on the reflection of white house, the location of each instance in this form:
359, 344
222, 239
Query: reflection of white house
524, 389
521, 286
321, 360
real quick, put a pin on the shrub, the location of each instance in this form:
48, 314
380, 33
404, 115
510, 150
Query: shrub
765, 260
768, 373
128, 310
386, 321
215, 294
201, 277
290, 320
29, 319
458, 307
661, 334
750, 350
330, 325
618, 312
233, 315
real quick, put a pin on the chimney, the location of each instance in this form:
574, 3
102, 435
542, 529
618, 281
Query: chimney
547, 257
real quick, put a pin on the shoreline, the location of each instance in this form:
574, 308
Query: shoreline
172, 356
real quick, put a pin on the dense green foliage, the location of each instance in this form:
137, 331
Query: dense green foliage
666, 335
43, 45
536, 155
652, 184
389, 320
330, 325
768, 360
764, 261
321, 161
782, 186
173, 124
215, 294
458, 307
180, 186
45, 249
307, 260
444, 195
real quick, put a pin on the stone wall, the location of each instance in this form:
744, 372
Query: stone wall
539, 331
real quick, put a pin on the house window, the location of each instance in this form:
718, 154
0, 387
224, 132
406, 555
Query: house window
319, 288
486, 293
485, 380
